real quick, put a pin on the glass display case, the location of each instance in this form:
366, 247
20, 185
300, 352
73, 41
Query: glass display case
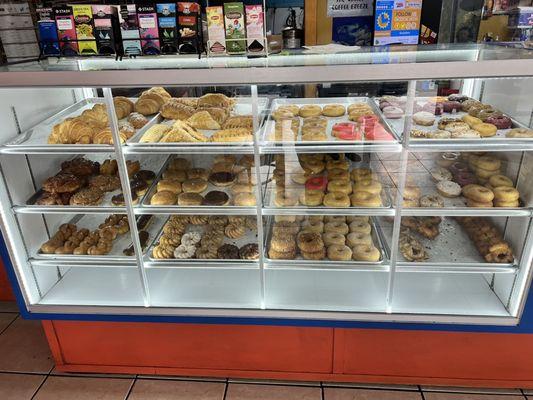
291, 187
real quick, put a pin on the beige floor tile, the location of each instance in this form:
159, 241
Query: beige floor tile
24, 348
271, 392
454, 389
67, 388
468, 396
5, 320
8, 306
152, 389
368, 394
19, 386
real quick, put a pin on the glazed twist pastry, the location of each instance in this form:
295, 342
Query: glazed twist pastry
206, 253
170, 240
163, 252
199, 219
234, 231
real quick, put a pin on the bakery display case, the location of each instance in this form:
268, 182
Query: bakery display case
143, 190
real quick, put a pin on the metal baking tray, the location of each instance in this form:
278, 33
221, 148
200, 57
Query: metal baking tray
35, 140
204, 162
243, 106
269, 190
268, 144
120, 243
249, 237
451, 251
499, 139
377, 238
153, 164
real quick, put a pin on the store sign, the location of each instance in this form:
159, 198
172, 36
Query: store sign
350, 8
397, 21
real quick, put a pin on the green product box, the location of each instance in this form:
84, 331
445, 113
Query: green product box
235, 28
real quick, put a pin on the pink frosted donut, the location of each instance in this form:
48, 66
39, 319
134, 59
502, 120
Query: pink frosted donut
392, 112
500, 121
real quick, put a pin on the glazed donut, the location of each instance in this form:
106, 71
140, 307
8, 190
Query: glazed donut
194, 185
195, 173
470, 120
315, 255
184, 251
314, 226
245, 200
330, 238
313, 166
310, 242
511, 204
190, 199
279, 255
505, 194
411, 193
500, 121
337, 227
485, 129
466, 134
191, 238
467, 104
352, 218
336, 199
361, 174
360, 227
299, 178
293, 108
484, 174
368, 185
333, 110
285, 199
365, 252
358, 238
339, 252
341, 186
478, 193
282, 243
358, 107
487, 113
338, 164
478, 204
310, 110
285, 218
312, 198
316, 121
335, 218
315, 218
432, 201
365, 199
337, 173
488, 163
314, 134
458, 167
500, 180
520, 133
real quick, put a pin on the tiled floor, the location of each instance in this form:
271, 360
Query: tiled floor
26, 372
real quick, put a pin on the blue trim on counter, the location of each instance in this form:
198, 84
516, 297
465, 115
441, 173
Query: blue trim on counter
525, 326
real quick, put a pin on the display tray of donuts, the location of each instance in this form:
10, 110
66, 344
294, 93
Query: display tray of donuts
316, 239
455, 180
223, 180
211, 118
336, 121
442, 241
455, 117
206, 237
85, 123
86, 237
84, 182
319, 180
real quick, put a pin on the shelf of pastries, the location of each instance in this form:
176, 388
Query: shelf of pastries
196, 241
325, 242
467, 183
321, 184
213, 122
320, 125
88, 184
90, 239
456, 122
83, 127
449, 244
218, 184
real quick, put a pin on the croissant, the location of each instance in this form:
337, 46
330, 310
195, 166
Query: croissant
151, 101
106, 137
175, 109
203, 120
123, 106
96, 117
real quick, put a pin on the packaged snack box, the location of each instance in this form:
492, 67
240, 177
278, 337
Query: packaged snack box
255, 35
46, 26
83, 20
188, 34
106, 29
66, 30
148, 29
215, 30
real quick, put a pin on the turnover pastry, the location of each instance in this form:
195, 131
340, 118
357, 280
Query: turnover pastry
150, 101
215, 100
181, 131
203, 120
175, 109
155, 133
239, 121
233, 135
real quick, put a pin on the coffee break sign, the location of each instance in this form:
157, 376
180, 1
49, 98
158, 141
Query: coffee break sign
350, 8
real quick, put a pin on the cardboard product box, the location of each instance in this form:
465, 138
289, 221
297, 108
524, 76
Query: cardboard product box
188, 30
255, 26
47, 31
83, 20
168, 31
106, 29
66, 30
148, 29
215, 30
129, 30
235, 28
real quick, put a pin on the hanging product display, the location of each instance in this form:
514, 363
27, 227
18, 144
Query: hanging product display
66, 31
188, 32
129, 30
397, 22
235, 28
255, 33
148, 29
106, 29
168, 33
215, 30
83, 20
46, 27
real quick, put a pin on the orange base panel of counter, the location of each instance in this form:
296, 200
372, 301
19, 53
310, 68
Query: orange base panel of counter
6, 294
294, 353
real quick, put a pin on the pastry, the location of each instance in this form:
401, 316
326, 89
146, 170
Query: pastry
163, 198
151, 101
138, 186
62, 182
118, 200
424, 118
448, 189
249, 251
181, 131
194, 185
145, 175
217, 113
215, 100
105, 136
109, 167
203, 120
87, 197
190, 199
310, 110
106, 183
137, 120
215, 198
155, 133
80, 167
485, 129
175, 109
172, 185
123, 106
222, 179
520, 133
333, 110
228, 251
239, 121
233, 135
